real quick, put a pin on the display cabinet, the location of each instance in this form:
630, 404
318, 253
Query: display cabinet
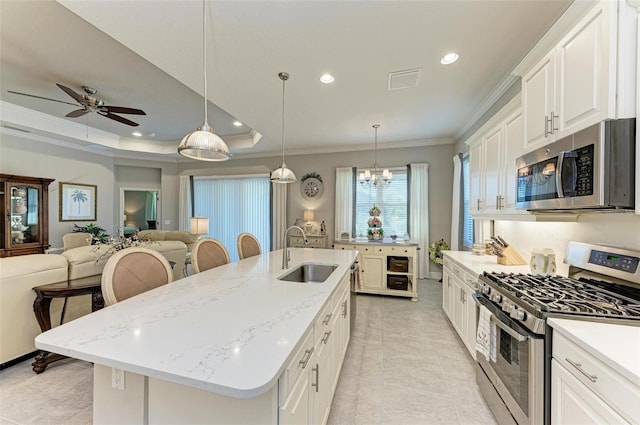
25, 211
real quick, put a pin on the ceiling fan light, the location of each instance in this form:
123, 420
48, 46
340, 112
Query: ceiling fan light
204, 145
283, 175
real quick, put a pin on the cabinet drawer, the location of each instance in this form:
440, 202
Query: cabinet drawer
348, 247
323, 321
607, 383
300, 362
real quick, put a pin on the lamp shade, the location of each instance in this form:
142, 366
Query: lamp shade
283, 175
205, 145
309, 215
199, 226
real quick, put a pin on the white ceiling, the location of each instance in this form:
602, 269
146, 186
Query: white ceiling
147, 54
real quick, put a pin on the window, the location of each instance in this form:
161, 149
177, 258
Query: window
392, 201
467, 226
234, 205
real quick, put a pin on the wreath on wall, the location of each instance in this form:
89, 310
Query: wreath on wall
435, 251
311, 175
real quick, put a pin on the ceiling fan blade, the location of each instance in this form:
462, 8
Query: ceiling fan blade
122, 110
77, 113
40, 97
118, 118
71, 93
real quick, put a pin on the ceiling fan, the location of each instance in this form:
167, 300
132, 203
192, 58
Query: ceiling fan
89, 103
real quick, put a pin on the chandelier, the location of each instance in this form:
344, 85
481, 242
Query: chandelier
373, 177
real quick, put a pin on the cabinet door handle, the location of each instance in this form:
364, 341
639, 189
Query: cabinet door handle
592, 378
553, 123
326, 336
344, 309
327, 318
546, 126
306, 358
478, 204
316, 370
460, 294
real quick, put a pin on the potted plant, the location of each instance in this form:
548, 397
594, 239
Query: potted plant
98, 234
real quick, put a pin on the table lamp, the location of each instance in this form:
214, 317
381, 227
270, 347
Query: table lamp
309, 216
199, 226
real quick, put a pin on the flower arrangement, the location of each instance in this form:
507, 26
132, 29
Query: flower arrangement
375, 233
375, 222
374, 211
435, 251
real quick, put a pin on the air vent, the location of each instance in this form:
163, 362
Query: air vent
404, 79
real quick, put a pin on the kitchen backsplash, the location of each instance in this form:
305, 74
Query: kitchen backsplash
611, 229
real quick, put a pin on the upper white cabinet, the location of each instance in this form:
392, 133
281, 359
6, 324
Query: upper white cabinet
589, 76
492, 162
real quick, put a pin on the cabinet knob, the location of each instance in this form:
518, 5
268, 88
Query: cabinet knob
380, 249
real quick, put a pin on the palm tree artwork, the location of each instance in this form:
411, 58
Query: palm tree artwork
79, 196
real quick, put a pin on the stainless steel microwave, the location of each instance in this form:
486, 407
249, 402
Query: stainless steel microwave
591, 169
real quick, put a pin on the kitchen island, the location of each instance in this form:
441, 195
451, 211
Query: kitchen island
220, 346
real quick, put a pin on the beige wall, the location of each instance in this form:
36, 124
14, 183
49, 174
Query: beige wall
31, 158
440, 179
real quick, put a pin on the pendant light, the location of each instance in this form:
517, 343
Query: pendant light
371, 177
283, 174
203, 144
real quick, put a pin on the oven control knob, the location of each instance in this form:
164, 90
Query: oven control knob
507, 307
485, 289
518, 314
496, 298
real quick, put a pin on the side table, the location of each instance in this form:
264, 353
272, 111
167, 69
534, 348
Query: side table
42, 304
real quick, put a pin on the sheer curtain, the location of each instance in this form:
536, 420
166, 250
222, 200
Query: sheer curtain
456, 204
235, 205
184, 203
344, 201
278, 214
419, 214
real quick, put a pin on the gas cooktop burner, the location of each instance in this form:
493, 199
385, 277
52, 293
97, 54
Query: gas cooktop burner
557, 294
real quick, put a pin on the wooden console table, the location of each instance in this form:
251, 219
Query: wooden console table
42, 304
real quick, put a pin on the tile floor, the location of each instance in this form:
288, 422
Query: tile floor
405, 365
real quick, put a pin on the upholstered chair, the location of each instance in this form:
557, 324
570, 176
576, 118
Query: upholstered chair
133, 271
248, 246
207, 254
75, 240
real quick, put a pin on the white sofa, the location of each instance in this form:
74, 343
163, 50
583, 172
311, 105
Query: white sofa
18, 275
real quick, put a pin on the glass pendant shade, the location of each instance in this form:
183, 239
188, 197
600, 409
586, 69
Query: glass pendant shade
204, 145
283, 175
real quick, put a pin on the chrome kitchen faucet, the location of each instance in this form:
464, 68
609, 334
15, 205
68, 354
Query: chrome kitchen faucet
285, 251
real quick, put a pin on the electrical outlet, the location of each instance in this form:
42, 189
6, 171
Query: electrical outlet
117, 378
167, 222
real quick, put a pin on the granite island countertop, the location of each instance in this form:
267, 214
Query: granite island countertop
228, 330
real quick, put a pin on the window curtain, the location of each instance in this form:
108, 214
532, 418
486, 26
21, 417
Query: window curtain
344, 201
184, 203
151, 206
419, 214
456, 204
278, 214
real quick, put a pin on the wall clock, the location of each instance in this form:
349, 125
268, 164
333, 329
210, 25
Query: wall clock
312, 188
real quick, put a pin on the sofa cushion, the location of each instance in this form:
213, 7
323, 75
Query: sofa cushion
86, 260
152, 235
187, 238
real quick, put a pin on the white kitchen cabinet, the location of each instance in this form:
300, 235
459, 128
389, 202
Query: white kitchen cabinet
574, 403
492, 163
313, 241
588, 76
308, 384
585, 390
458, 305
386, 268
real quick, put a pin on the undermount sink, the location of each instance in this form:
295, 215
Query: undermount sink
309, 273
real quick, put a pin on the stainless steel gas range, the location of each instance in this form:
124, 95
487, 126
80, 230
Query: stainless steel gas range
603, 285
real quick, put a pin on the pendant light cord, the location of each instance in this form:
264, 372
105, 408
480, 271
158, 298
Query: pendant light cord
204, 61
283, 81
375, 150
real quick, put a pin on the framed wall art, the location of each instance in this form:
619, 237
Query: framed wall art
78, 201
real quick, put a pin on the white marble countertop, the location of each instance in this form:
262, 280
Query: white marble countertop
476, 264
616, 345
229, 330
384, 242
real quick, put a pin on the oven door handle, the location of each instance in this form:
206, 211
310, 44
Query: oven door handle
559, 165
517, 336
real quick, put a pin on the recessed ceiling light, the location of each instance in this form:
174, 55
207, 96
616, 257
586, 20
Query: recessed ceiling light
327, 78
151, 134
237, 123
449, 58
137, 134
